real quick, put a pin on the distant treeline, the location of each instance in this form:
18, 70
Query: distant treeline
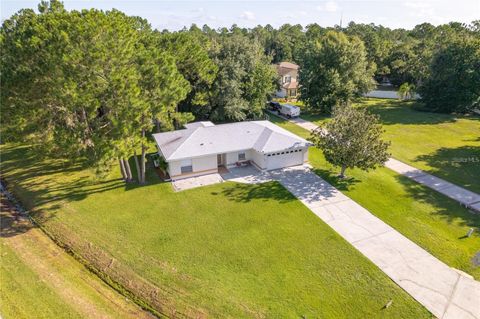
400, 55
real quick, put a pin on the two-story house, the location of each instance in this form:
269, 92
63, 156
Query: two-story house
288, 73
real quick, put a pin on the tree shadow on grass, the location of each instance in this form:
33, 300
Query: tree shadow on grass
409, 112
48, 183
406, 115
460, 165
448, 209
13, 220
244, 193
342, 184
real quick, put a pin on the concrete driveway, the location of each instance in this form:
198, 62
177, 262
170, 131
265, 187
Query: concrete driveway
445, 292
246, 175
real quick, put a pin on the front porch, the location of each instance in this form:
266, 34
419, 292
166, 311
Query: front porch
248, 174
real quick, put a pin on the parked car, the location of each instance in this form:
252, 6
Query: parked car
274, 106
289, 110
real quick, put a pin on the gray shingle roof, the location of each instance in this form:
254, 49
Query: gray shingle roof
207, 139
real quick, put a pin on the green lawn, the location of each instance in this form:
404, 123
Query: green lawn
23, 294
447, 146
428, 218
229, 250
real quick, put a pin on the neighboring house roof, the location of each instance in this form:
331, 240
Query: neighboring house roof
285, 68
208, 139
290, 85
288, 65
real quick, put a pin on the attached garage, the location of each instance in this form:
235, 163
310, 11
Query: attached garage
284, 159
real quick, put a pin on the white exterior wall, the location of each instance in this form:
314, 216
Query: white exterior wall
259, 159
208, 164
305, 155
200, 165
174, 168
386, 94
232, 157
204, 163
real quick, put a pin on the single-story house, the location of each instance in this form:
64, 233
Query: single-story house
202, 147
288, 73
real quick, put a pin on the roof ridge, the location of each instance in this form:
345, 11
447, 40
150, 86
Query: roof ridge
266, 131
186, 139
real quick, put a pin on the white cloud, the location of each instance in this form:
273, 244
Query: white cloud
423, 11
248, 15
329, 6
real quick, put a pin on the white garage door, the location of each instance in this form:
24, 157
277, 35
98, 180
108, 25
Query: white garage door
279, 160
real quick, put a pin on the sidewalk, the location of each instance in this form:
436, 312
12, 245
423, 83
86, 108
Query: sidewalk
463, 196
446, 292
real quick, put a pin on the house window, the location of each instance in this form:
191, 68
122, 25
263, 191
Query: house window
186, 166
241, 156
287, 79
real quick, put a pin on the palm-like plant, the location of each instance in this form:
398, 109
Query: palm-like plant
406, 91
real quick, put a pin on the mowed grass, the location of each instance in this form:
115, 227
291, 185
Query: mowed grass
38, 279
24, 295
432, 220
445, 145
230, 250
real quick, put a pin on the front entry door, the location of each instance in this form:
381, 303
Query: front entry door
220, 159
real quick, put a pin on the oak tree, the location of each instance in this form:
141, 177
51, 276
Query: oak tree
352, 138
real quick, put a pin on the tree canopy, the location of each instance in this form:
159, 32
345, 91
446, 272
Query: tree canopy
333, 70
84, 84
244, 80
352, 139
454, 81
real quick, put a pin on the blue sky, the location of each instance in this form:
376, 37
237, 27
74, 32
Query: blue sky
174, 15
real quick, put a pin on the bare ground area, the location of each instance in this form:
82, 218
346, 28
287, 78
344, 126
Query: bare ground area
66, 277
